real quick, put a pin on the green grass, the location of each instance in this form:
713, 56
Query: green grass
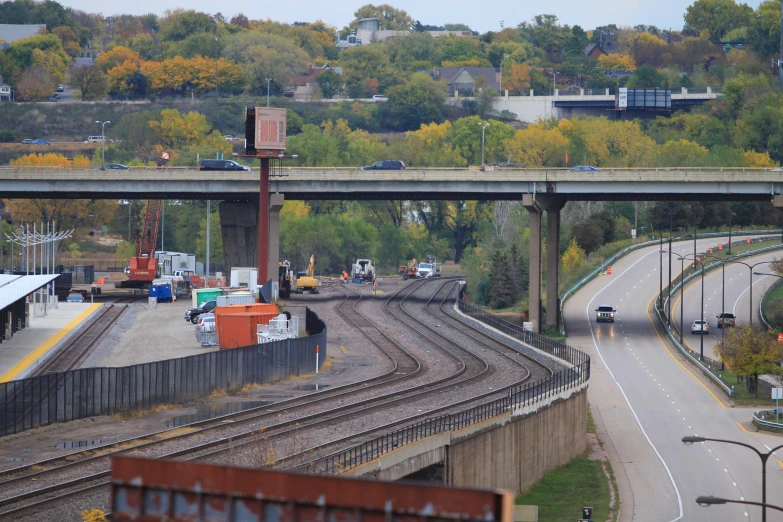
773, 307
562, 493
742, 397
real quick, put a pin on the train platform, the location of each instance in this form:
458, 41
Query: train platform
22, 353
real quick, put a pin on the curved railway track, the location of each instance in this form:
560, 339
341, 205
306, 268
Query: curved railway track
405, 366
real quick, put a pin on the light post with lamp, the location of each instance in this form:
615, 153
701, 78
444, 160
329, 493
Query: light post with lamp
483, 128
750, 269
671, 210
682, 285
103, 143
707, 501
268, 81
688, 440
696, 260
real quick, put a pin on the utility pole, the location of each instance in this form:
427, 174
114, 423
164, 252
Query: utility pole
209, 211
268, 80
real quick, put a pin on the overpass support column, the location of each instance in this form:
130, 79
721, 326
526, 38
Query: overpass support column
534, 288
238, 222
275, 204
553, 207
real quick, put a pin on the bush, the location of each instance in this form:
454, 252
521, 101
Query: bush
7, 136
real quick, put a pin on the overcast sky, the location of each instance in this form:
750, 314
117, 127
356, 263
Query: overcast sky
481, 15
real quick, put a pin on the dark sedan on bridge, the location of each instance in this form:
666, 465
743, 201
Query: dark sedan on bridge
116, 166
586, 168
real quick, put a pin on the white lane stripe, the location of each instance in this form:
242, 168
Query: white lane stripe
627, 401
734, 310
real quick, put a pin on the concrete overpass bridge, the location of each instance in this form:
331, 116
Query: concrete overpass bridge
245, 228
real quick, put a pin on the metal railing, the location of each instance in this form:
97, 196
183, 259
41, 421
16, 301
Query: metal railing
303, 167
761, 421
521, 398
86, 392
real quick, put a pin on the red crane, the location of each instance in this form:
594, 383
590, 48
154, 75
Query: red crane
143, 267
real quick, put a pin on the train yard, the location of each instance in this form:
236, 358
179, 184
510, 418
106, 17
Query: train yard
432, 362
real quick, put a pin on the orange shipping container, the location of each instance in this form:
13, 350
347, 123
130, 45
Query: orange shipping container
246, 308
240, 329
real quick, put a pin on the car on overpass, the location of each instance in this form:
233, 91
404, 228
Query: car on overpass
41, 142
700, 327
116, 166
586, 168
386, 165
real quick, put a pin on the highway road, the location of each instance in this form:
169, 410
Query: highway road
644, 399
736, 300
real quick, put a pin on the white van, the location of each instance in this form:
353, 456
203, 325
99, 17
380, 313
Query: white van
95, 139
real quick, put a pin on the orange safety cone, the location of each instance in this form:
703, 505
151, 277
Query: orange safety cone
608, 270
710, 250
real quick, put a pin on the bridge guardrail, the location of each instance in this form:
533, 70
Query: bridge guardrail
422, 167
628, 250
761, 422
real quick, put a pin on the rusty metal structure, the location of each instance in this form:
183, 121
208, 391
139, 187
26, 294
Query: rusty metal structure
157, 490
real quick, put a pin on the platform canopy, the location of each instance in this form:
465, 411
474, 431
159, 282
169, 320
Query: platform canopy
15, 287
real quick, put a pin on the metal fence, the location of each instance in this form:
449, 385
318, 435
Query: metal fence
520, 397
76, 394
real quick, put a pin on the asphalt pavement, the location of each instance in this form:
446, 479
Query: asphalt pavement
644, 399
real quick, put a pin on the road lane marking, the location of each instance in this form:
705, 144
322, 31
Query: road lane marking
622, 391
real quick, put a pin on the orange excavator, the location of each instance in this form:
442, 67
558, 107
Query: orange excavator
144, 266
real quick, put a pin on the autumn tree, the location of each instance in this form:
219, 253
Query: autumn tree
714, 18
178, 24
750, 351
610, 62
330, 84
178, 129
90, 81
35, 84
516, 78
392, 19
366, 70
573, 257
538, 146
420, 100
117, 56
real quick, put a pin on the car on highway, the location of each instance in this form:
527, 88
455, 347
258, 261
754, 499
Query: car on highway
231, 137
41, 142
586, 168
379, 97
28, 141
116, 166
386, 165
605, 313
191, 314
60, 88
700, 327
726, 319
75, 298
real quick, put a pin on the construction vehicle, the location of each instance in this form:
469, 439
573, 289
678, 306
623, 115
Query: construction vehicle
144, 265
429, 268
307, 280
363, 271
285, 279
409, 269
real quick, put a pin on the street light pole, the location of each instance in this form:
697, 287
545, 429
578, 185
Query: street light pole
483, 128
688, 440
217, 83
103, 143
268, 80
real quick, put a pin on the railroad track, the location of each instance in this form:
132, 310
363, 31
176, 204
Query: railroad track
54, 488
69, 356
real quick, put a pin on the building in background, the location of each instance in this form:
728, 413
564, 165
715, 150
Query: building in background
9, 33
465, 78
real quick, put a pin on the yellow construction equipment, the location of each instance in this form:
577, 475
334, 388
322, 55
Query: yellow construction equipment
409, 269
307, 280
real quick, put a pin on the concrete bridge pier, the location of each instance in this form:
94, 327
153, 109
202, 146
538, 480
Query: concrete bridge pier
239, 227
536, 205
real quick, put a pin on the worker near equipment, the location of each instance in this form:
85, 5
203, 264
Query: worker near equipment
345, 276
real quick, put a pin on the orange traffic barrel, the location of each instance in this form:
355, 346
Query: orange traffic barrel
720, 246
747, 240
609, 270
780, 337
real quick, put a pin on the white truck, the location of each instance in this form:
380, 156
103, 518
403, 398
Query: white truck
428, 268
363, 270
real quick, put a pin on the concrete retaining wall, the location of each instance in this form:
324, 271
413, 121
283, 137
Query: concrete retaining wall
517, 454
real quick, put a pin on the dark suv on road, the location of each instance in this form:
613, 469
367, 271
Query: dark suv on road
221, 165
386, 165
191, 314
726, 319
605, 313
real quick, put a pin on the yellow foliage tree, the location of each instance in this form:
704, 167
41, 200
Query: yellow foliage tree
51, 63
177, 129
574, 257
538, 146
610, 143
119, 74
469, 62
517, 78
758, 159
117, 56
429, 146
611, 62
49, 159
294, 209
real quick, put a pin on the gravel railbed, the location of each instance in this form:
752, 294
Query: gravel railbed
104, 348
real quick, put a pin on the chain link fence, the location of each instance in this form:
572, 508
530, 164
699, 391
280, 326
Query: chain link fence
77, 394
